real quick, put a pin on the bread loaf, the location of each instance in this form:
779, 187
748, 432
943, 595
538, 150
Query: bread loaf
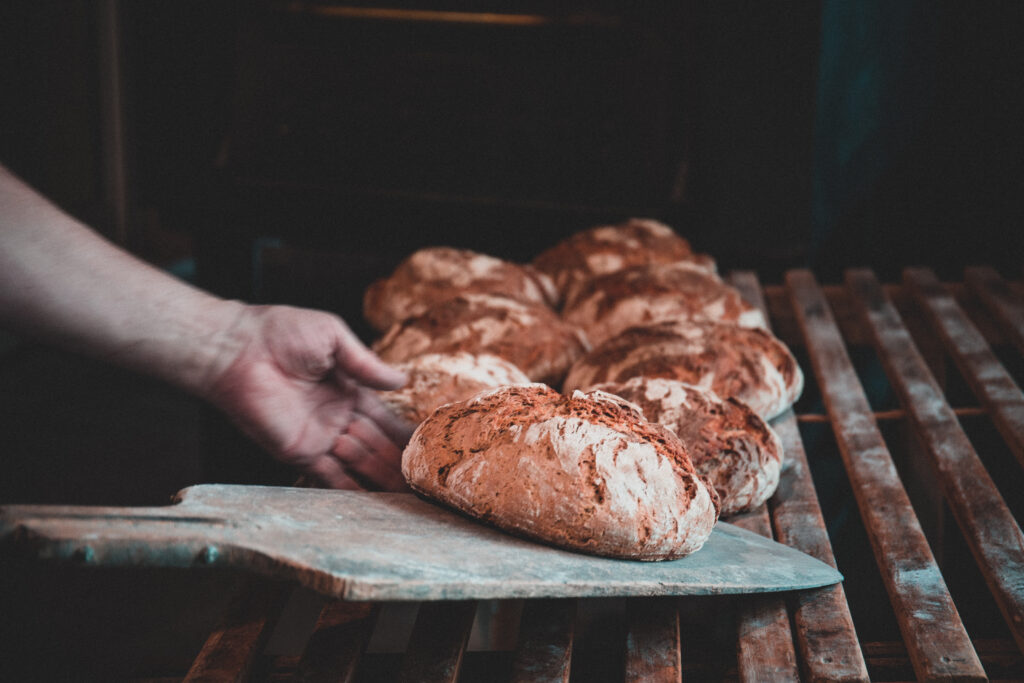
585, 472
435, 274
609, 304
610, 248
748, 364
530, 336
729, 445
438, 378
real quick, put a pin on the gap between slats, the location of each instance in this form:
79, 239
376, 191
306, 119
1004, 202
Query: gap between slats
825, 634
931, 626
990, 530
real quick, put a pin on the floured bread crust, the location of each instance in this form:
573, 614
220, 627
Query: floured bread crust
585, 472
437, 378
609, 304
435, 274
610, 248
733, 448
607, 249
748, 364
530, 336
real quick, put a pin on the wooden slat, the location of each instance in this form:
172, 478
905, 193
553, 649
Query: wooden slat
825, 634
999, 298
438, 642
989, 528
988, 379
764, 646
938, 645
337, 643
652, 641
546, 633
231, 650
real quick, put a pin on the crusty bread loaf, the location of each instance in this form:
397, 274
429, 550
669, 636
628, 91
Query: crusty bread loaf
530, 336
609, 304
610, 248
733, 448
439, 378
435, 274
585, 472
749, 364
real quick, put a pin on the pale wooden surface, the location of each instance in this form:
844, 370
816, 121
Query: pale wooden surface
387, 546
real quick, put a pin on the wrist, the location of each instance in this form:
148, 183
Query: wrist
225, 328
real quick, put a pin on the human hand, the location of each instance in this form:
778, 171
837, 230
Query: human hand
302, 385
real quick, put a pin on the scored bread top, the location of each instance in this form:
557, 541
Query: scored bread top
584, 472
439, 378
530, 336
738, 453
749, 364
435, 274
609, 304
610, 248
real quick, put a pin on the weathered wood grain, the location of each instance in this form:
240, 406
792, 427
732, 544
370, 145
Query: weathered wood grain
338, 641
929, 621
989, 528
764, 645
233, 648
438, 642
825, 635
652, 641
546, 633
1006, 306
385, 546
988, 379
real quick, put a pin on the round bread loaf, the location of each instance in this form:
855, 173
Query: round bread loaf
585, 472
530, 336
609, 304
609, 248
439, 378
729, 445
435, 274
748, 364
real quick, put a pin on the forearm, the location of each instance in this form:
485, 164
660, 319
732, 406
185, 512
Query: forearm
64, 284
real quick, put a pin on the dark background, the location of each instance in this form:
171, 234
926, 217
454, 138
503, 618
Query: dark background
293, 156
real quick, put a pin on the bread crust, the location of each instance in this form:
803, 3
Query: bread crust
434, 274
583, 472
609, 304
439, 378
609, 248
733, 448
530, 336
748, 364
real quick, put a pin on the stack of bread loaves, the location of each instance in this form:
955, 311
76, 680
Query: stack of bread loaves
668, 378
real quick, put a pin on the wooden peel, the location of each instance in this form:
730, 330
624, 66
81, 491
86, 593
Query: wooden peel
386, 546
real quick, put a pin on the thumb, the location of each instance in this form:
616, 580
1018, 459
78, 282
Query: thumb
355, 361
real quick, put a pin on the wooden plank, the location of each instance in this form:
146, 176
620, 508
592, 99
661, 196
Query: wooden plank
1000, 299
988, 379
764, 645
233, 648
825, 635
546, 634
991, 532
438, 642
939, 646
338, 642
652, 641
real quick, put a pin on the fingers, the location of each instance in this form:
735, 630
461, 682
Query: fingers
370, 455
396, 428
328, 472
362, 364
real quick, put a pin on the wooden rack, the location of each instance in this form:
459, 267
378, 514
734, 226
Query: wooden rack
904, 490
